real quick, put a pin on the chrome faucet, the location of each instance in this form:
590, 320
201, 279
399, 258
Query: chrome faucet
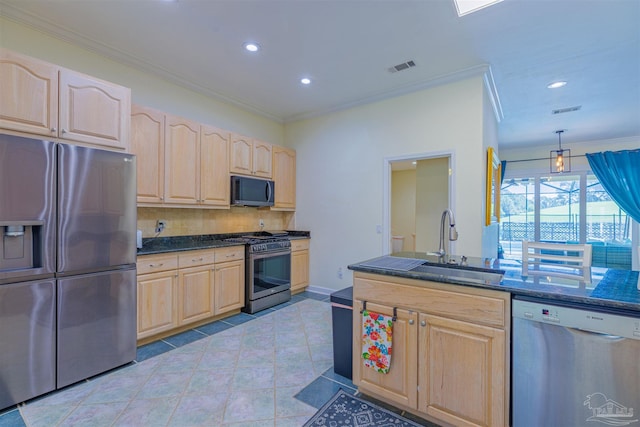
453, 234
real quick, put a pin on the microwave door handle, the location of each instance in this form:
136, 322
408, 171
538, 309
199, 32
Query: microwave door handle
268, 190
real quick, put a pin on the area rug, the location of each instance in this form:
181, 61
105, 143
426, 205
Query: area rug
345, 409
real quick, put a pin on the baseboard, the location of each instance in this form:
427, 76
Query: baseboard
321, 290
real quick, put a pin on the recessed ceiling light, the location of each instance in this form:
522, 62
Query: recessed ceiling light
305, 81
556, 85
252, 47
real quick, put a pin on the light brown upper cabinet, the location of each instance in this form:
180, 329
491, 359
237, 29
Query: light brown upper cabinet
45, 99
182, 168
250, 157
284, 176
36, 113
214, 166
147, 143
180, 162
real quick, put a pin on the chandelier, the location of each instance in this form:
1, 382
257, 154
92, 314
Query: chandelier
560, 160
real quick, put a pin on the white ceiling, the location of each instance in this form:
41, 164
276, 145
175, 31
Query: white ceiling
347, 47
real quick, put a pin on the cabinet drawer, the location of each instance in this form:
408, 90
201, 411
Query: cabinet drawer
153, 263
195, 258
299, 245
231, 253
456, 302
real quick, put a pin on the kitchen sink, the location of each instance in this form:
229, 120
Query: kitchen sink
460, 274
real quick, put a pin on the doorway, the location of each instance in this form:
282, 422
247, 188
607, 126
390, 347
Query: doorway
417, 190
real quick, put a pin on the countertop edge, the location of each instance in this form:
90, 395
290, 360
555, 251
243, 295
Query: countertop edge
506, 285
197, 242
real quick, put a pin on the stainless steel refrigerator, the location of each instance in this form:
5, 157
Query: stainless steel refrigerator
67, 265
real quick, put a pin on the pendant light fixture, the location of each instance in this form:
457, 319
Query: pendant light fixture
560, 160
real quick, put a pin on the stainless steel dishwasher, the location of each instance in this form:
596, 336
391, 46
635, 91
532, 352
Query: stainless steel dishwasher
574, 366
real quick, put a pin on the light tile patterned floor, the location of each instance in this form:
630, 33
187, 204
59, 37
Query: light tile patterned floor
246, 375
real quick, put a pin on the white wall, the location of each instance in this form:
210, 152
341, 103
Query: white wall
340, 167
146, 89
490, 234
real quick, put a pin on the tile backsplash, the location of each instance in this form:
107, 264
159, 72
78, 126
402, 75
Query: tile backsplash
186, 222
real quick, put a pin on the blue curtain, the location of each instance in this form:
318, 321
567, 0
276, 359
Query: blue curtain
619, 174
503, 169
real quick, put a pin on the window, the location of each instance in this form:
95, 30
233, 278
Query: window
560, 209
564, 209
517, 212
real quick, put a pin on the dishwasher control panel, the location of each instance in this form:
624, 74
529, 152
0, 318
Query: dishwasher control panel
577, 318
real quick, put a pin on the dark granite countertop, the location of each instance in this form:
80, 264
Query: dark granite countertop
605, 287
158, 245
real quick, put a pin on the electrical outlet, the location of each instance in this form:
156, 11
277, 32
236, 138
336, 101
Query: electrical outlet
160, 225
340, 275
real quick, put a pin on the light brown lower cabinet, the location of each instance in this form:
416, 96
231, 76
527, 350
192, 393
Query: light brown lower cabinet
178, 289
196, 293
157, 294
449, 360
299, 265
229, 279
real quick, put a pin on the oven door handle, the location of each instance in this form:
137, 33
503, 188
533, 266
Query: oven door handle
268, 254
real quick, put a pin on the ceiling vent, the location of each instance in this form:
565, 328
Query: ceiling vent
566, 110
402, 67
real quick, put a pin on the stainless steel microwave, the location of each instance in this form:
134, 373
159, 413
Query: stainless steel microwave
246, 191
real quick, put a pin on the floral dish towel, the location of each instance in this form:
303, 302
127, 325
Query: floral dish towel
376, 340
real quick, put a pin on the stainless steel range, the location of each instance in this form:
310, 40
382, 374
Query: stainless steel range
267, 269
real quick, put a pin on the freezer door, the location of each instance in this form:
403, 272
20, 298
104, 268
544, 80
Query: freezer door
96, 324
27, 209
27, 341
97, 209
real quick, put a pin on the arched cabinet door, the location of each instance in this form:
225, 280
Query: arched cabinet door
29, 88
94, 111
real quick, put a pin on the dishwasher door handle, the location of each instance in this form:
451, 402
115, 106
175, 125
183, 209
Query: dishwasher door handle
599, 334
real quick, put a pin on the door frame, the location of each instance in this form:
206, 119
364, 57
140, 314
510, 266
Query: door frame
386, 190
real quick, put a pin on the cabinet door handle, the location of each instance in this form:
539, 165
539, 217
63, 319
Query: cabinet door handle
156, 265
196, 260
231, 256
64, 131
423, 323
53, 129
411, 321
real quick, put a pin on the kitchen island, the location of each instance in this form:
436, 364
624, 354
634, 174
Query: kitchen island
452, 332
